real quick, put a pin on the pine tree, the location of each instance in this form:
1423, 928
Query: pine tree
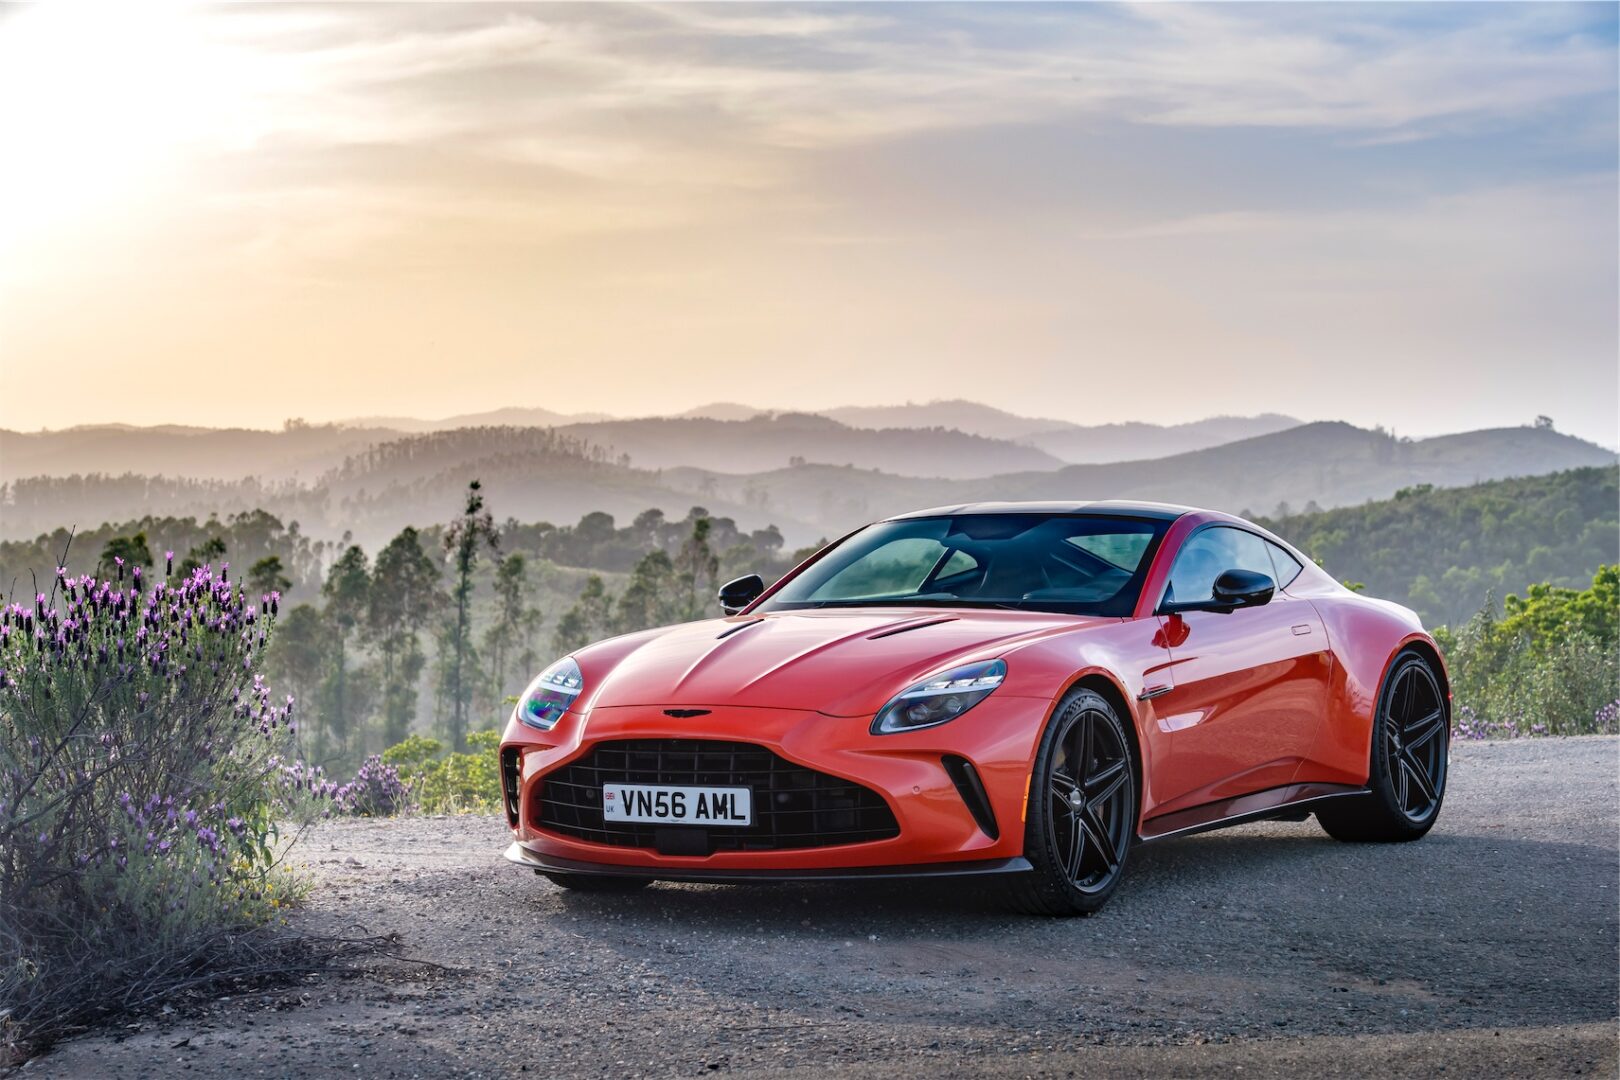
473, 531
267, 576
347, 589
697, 571
404, 595
515, 620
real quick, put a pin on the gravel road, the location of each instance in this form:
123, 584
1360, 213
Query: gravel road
1488, 949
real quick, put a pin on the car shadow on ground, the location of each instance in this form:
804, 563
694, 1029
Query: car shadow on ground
1413, 936
1198, 866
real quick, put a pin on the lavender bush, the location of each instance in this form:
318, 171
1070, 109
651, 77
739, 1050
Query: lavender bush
138, 823
377, 790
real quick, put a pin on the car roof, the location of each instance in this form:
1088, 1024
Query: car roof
1120, 507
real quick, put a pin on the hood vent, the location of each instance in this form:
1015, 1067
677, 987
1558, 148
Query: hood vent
903, 627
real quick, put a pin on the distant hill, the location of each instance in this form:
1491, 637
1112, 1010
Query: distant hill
300, 452
969, 416
554, 475
515, 416
1443, 551
305, 452
531, 474
776, 439
1328, 464
955, 439
1126, 442
1070, 440
721, 410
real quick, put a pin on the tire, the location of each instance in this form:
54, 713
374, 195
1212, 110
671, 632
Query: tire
1081, 816
1408, 760
598, 883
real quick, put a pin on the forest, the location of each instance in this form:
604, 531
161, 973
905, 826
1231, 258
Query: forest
1445, 551
434, 631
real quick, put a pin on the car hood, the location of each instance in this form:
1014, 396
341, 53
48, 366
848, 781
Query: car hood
848, 662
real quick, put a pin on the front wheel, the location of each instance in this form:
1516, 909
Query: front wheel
1082, 810
1411, 743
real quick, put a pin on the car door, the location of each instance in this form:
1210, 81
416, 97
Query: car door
1248, 688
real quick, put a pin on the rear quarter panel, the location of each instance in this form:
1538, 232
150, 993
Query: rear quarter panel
1365, 635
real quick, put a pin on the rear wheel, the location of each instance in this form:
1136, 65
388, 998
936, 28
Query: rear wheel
599, 883
1411, 742
1082, 810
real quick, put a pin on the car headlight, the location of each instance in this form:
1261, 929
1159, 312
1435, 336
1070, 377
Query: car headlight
551, 694
940, 697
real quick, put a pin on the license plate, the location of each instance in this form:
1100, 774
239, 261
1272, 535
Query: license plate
678, 805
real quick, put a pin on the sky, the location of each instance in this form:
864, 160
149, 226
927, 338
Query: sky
1390, 214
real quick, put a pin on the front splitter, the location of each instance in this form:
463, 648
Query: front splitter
523, 856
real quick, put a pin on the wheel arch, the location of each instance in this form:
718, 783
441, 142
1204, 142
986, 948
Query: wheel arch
1426, 648
1104, 684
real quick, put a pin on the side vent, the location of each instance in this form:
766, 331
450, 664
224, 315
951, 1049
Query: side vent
511, 782
971, 788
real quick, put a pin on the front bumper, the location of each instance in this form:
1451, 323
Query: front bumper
938, 832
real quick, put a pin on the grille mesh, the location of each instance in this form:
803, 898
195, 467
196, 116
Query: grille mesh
794, 807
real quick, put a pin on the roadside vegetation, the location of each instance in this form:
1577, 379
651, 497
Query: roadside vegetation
1549, 665
143, 826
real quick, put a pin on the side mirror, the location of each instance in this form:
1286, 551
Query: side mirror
738, 594
1242, 588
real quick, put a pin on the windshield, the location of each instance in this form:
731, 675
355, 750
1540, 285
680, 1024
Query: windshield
1083, 564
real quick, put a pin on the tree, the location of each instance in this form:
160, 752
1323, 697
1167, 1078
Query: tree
590, 618
347, 590
697, 569
515, 620
404, 594
267, 576
650, 599
299, 656
473, 531
124, 551
203, 554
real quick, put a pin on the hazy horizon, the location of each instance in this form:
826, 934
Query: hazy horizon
584, 418
1396, 215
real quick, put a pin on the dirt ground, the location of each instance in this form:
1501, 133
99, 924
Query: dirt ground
1488, 949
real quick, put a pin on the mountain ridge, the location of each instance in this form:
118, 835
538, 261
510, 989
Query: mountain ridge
547, 474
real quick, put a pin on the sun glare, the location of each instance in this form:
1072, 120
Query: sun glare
98, 104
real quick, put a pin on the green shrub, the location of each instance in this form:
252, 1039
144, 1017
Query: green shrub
457, 783
1549, 667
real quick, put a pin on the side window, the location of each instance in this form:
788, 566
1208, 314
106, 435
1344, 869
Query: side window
1288, 567
1208, 555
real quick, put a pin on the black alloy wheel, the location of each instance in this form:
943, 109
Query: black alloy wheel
1410, 752
1082, 809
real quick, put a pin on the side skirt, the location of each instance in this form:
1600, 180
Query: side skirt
1257, 806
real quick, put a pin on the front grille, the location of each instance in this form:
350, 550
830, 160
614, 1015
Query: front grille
794, 807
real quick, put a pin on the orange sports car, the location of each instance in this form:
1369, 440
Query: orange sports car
1021, 690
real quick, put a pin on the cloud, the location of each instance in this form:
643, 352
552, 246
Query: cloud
822, 188
804, 78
